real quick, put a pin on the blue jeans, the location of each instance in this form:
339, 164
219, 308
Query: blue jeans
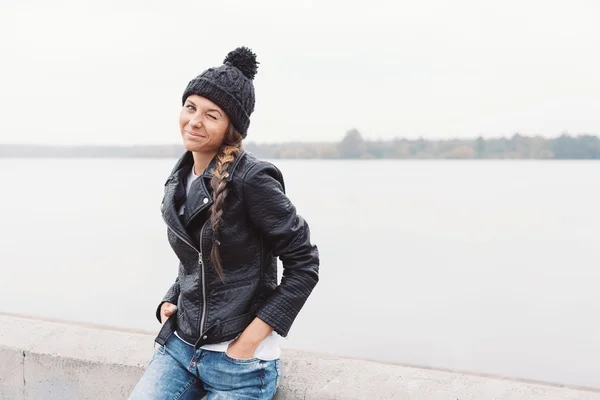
176, 372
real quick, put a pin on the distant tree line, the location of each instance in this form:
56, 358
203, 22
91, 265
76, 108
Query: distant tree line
353, 146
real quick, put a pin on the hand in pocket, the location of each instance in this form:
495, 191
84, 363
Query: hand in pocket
166, 310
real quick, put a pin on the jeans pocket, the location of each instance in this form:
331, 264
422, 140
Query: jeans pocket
239, 360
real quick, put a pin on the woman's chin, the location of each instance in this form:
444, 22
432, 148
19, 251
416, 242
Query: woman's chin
192, 145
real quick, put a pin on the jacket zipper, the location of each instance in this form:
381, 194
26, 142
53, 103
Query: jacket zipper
201, 263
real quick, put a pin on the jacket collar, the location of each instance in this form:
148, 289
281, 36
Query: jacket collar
198, 200
187, 159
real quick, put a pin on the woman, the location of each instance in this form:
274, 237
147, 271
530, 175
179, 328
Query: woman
228, 219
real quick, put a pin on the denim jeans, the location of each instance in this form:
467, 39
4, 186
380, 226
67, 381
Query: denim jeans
176, 372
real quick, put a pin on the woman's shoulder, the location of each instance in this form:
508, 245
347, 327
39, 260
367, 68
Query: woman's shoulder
250, 165
251, 170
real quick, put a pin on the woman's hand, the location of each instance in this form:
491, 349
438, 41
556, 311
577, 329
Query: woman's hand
240, 349
245, 345
166, 310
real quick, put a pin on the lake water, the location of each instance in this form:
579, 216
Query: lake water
484, 266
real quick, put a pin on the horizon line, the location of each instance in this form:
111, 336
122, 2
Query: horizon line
306, 142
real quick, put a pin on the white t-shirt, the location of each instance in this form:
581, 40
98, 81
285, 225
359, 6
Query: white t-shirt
268, 349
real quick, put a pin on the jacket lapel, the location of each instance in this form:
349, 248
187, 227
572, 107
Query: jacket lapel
198, 200
174, 196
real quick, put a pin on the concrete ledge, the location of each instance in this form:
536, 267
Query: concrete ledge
52, 360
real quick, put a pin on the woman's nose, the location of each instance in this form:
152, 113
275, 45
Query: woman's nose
196, 121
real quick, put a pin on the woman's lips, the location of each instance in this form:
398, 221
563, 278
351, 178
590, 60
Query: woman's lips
195, 134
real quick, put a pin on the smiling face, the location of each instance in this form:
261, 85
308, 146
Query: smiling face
203, 125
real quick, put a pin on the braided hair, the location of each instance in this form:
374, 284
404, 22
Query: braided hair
231, 148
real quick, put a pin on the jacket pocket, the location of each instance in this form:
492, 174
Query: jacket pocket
231, 300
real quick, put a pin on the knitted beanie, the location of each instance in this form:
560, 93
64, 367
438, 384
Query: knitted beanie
230, 86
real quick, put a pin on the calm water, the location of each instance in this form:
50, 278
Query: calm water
489, 267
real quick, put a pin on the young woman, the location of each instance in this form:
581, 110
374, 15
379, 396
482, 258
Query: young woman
227, 218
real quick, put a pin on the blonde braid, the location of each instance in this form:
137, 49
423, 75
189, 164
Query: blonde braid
218, 182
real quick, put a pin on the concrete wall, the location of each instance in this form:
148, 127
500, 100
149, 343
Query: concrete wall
51, 360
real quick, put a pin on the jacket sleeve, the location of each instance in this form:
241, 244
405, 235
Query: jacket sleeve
171, 297
288, 234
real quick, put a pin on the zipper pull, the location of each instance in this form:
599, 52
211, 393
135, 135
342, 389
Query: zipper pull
199, 258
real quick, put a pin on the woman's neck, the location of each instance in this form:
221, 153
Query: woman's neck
201, 161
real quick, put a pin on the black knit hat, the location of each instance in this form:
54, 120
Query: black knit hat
229, 86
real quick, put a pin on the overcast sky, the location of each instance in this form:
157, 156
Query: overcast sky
112, 72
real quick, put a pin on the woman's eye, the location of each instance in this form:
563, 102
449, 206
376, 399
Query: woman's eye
190, 107
212, 116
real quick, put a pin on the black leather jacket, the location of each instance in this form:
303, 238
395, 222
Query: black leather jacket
259, 223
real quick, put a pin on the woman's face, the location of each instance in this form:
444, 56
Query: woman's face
203, 125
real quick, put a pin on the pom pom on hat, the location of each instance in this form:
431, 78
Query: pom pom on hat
243, 59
